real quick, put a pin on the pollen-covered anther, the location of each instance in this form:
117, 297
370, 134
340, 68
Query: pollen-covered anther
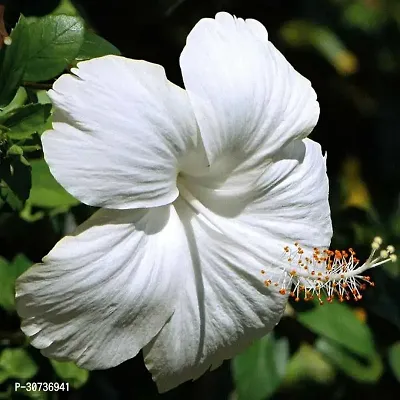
333, 274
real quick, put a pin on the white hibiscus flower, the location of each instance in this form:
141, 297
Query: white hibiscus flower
201, 190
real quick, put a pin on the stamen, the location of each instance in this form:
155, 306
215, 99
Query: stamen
333, 274
330, 274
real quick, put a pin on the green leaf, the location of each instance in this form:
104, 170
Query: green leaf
16, 364
65, 7
27, 120
259, 371
363, 16
339, 323
15, 150
7, 196
71, 373
19, 100
41, 49
365, 370
43, 97
28, 215
95, 46
308, 364
46, 191
9, 272
54, 43
394, 359
15, 180
13, 61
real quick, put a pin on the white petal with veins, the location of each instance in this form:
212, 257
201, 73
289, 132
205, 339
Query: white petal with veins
222, 307
248, 100
119, 132
101, 295
225, 304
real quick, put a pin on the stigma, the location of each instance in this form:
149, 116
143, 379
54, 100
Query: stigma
328, 274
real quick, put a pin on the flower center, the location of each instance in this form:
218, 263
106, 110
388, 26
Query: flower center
330, 273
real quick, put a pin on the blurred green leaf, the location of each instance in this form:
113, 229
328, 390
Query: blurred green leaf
65, 7
300, 33
353, 188
17, 364
95, 46
394, 359
307, 364
37, 395
362, 370
259, 371
54, 42
363, 15
28, 119
46, 191
9, 272
339, 323
71, 373
296, 32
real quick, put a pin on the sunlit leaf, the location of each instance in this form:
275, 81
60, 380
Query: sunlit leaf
367, 369
43, 97
27, 120
31, 216
66, 8
339, 323
307, 364
46, 191
9, 272
17, 364
71, 373
15, 150
19, 100
324, 40
259, 371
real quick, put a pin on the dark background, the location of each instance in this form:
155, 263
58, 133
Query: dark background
354, 69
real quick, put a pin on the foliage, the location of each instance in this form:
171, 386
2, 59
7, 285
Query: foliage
42, 48
349, 50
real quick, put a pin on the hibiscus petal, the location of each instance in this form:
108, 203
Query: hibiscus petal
120, 128
225, 305
102, 294
292, 197
289, 200
248, 100
222, 308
